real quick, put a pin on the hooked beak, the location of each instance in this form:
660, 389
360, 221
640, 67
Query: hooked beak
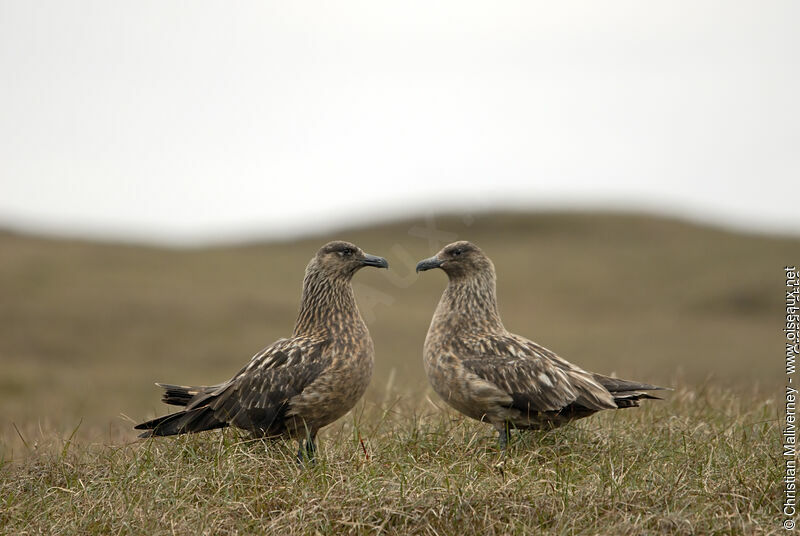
428, 264
373, 260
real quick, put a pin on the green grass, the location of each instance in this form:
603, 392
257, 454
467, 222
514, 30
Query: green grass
86, 328
699, 463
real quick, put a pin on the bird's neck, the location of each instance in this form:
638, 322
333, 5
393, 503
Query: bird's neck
470, 303
327, 306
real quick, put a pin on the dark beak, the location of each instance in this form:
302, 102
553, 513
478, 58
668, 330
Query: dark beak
372, 260
428, 264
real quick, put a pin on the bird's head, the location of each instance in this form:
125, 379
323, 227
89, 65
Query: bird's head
343, 259
459, 259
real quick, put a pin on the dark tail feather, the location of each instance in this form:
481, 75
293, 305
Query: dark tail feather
627, 393
182, 422
616, 385
182, 395
631, 399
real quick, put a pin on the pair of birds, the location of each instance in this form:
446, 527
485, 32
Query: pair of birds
298, 385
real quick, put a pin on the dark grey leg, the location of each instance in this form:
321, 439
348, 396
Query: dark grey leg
310, 450
311, 447
503, 436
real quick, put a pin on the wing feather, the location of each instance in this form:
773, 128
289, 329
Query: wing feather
535, 378
258, 396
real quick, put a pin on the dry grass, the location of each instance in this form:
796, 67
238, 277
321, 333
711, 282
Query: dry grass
86, 328
701, 463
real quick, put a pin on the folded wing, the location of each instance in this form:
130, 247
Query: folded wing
256, 398
536, 379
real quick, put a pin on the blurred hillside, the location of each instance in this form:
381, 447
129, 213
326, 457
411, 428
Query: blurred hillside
86, 328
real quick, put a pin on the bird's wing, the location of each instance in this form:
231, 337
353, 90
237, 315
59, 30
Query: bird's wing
535, 378
261, 391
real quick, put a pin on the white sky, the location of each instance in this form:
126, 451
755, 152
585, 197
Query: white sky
193, 121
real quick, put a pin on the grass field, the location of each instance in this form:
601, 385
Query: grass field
86, 328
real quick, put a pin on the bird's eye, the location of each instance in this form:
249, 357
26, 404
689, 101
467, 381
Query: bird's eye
457, 252
346, 252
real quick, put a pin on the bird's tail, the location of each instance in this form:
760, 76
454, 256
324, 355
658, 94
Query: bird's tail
182, 422
183, 395
631, 399
627, 393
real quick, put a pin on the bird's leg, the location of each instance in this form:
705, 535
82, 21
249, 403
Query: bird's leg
503, 435
310, 450
311, 447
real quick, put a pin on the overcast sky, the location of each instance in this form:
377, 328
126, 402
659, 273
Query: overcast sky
194, 121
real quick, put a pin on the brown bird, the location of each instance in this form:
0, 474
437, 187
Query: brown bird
295, 386
494, 376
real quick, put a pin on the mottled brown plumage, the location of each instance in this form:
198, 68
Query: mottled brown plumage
297, 385
492, 375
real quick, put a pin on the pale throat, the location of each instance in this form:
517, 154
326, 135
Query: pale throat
328, 306
470, 303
